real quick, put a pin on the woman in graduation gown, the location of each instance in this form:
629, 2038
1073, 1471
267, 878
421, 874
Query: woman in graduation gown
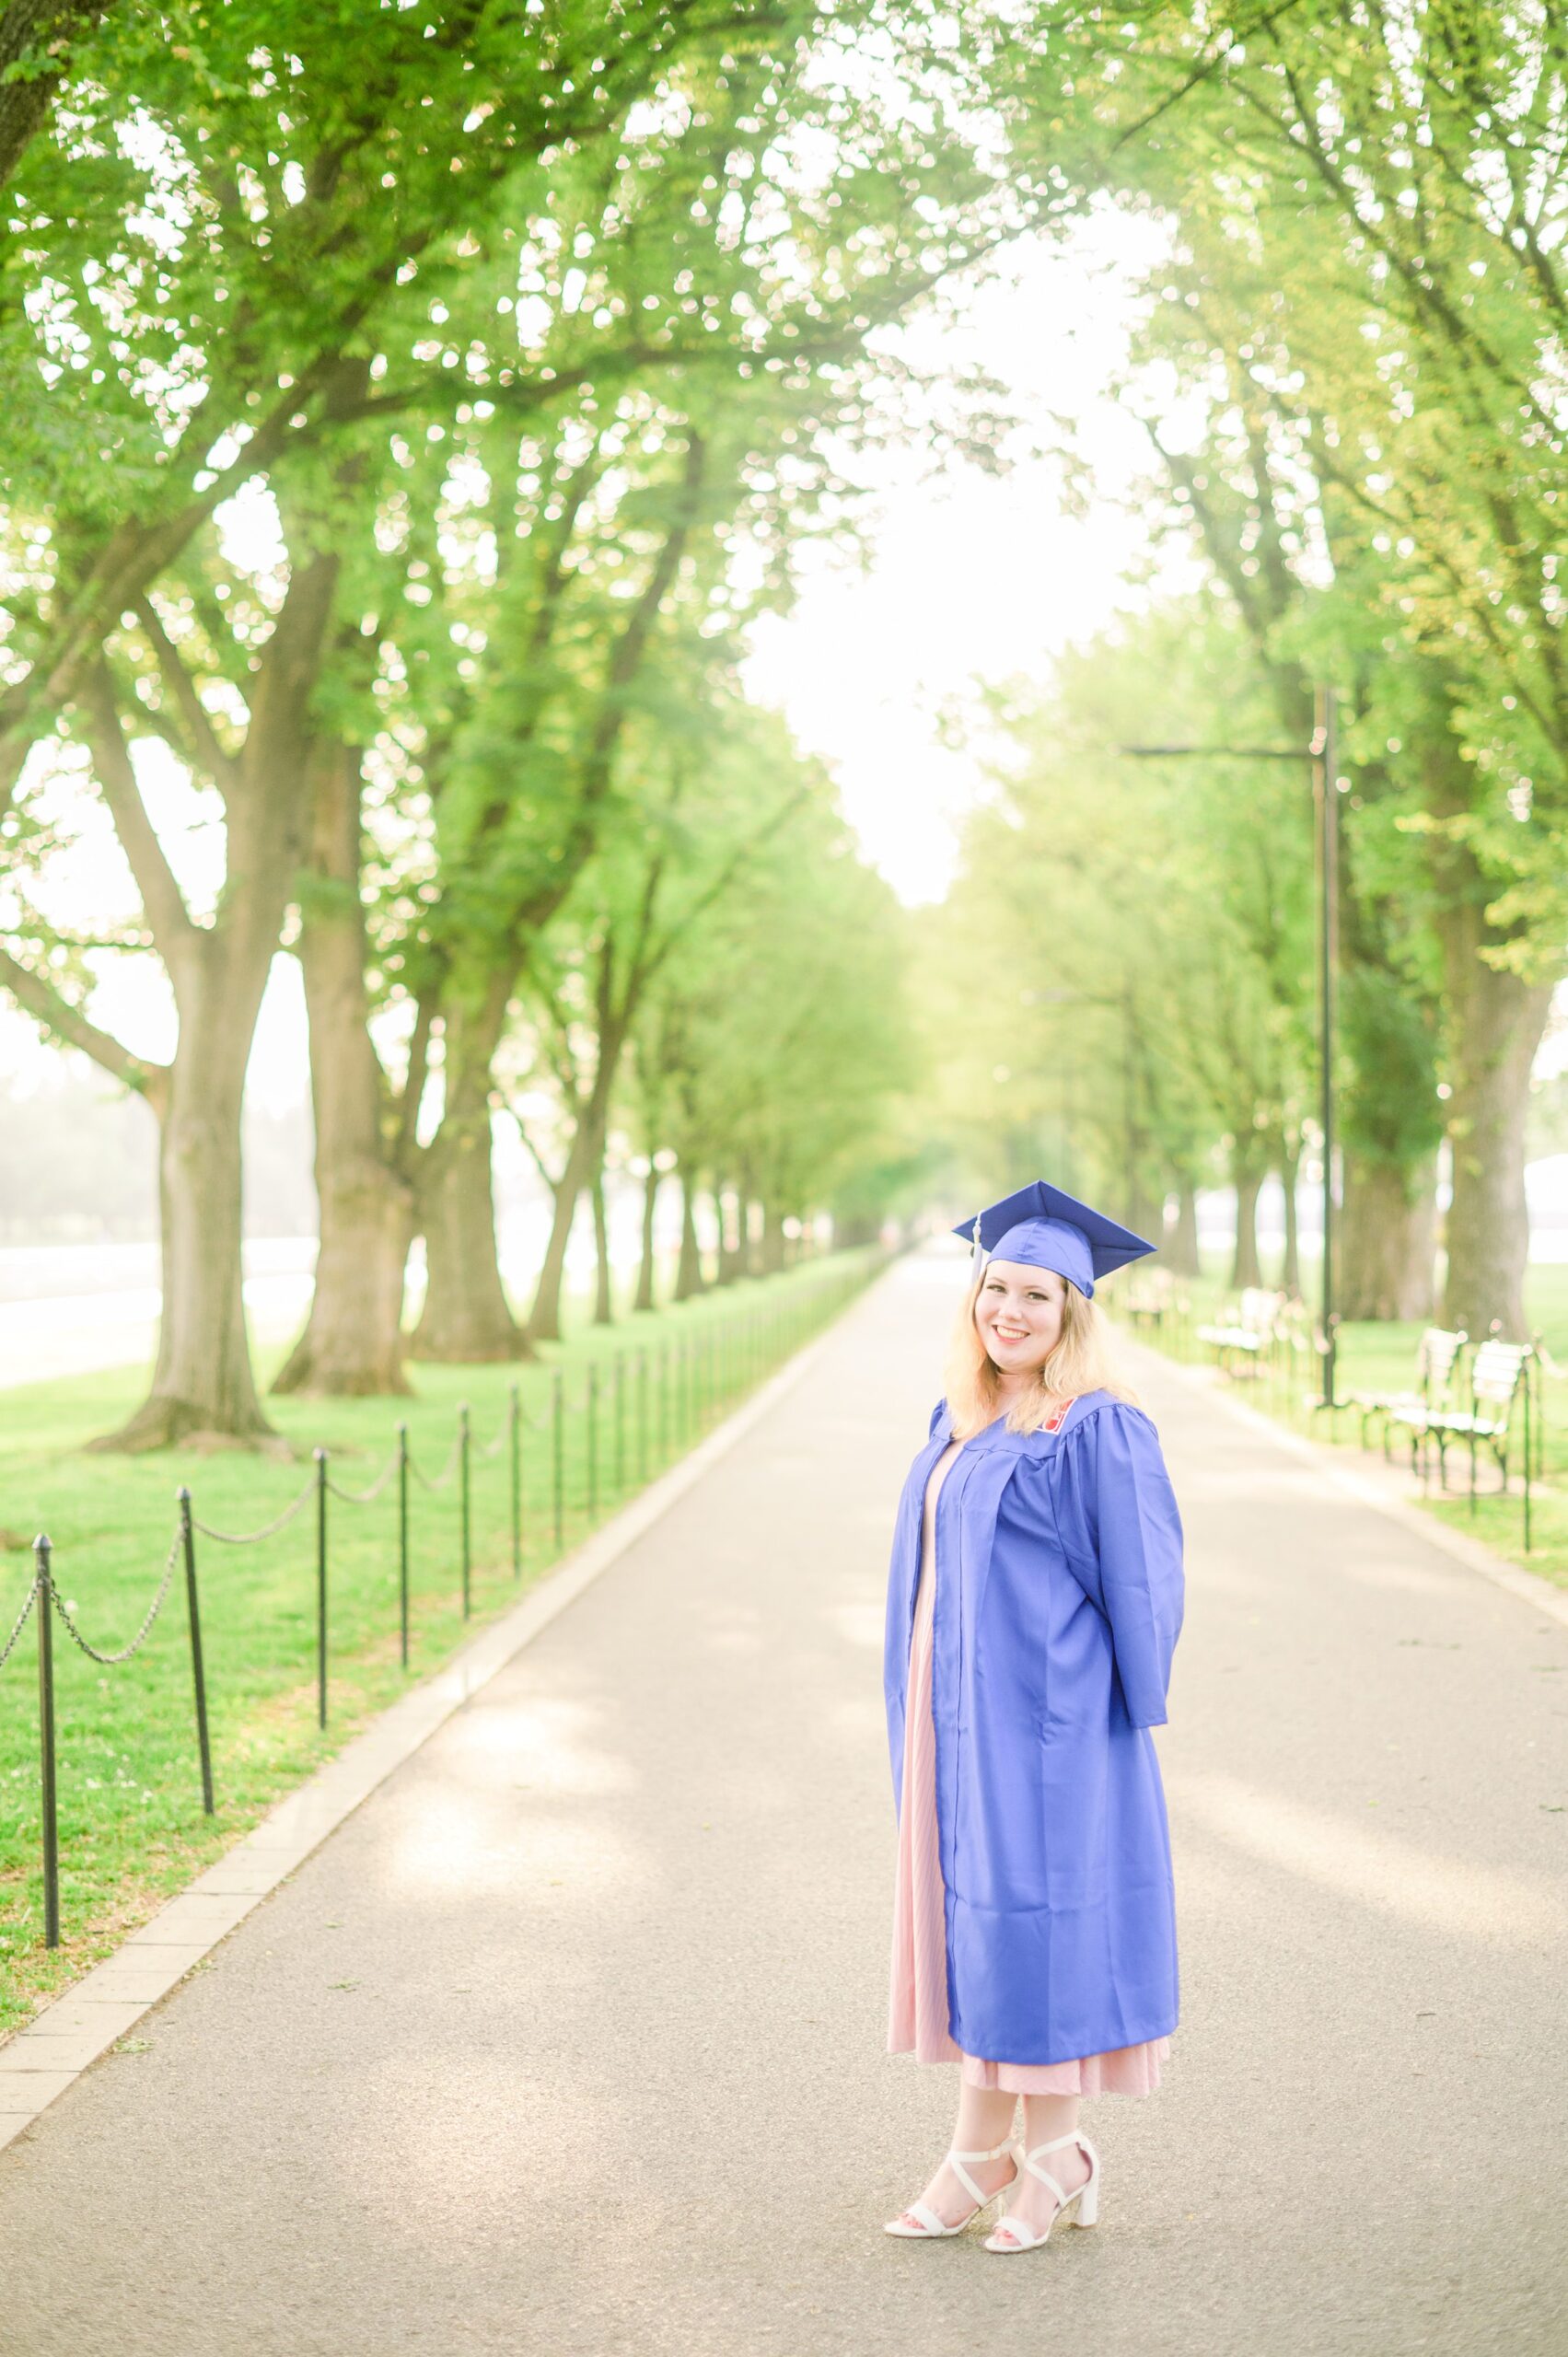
1033, 1607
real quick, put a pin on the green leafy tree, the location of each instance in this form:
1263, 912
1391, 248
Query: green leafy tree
777, 1038
673, 860
259, 256
229, 258
1371, 205
1122, 979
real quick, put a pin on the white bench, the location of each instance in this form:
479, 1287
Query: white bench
1241, 1341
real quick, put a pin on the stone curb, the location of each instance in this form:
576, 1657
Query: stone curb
41, 2060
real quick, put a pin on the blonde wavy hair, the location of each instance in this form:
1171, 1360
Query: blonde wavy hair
1082, 1361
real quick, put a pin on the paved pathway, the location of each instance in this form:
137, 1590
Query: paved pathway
571, 2040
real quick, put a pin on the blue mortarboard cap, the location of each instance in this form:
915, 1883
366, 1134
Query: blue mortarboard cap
1047, 1229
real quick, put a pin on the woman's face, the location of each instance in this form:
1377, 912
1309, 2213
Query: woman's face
1019, 1315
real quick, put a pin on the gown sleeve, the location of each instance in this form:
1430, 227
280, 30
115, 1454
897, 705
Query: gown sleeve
1121, 1529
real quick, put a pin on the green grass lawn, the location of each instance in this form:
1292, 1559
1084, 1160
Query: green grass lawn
1382, 1358
132, 1831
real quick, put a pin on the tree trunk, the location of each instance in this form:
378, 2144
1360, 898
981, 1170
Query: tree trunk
1387, 1239
860, 1228
1494, 1025
730, 1205
202, 1381
353, 1342
604, 1313
689, 1279
772, 1257
1493, 1021
1244, 1264
31, 32
644, 1299
466, 1319
544, 1315
584, 1155
1181, 1253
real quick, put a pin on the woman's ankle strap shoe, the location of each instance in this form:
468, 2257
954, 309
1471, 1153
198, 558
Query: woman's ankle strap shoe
1086, 2196
931, 2227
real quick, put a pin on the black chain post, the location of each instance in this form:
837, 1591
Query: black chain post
321, 1587
194, 1618
463, 1494
558, 1442
403, 1541
1526, 1370
514, 1416
51, 1826
709, 1365
592, 1481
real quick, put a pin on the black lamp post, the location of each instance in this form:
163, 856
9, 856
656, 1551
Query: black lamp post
1322, 754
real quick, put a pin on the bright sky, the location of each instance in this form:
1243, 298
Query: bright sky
971, 576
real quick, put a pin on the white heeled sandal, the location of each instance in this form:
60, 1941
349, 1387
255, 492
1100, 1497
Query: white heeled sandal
931, 2225
1086, 2196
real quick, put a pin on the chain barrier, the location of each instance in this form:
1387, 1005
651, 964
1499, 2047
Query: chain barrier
248, 1538
721, 1365
438, 1481
366, 1497
153, 1609
21, 1622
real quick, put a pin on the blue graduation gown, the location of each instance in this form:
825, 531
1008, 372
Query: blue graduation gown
1058, 1600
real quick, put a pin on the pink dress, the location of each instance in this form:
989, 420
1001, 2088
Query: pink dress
917, 2014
